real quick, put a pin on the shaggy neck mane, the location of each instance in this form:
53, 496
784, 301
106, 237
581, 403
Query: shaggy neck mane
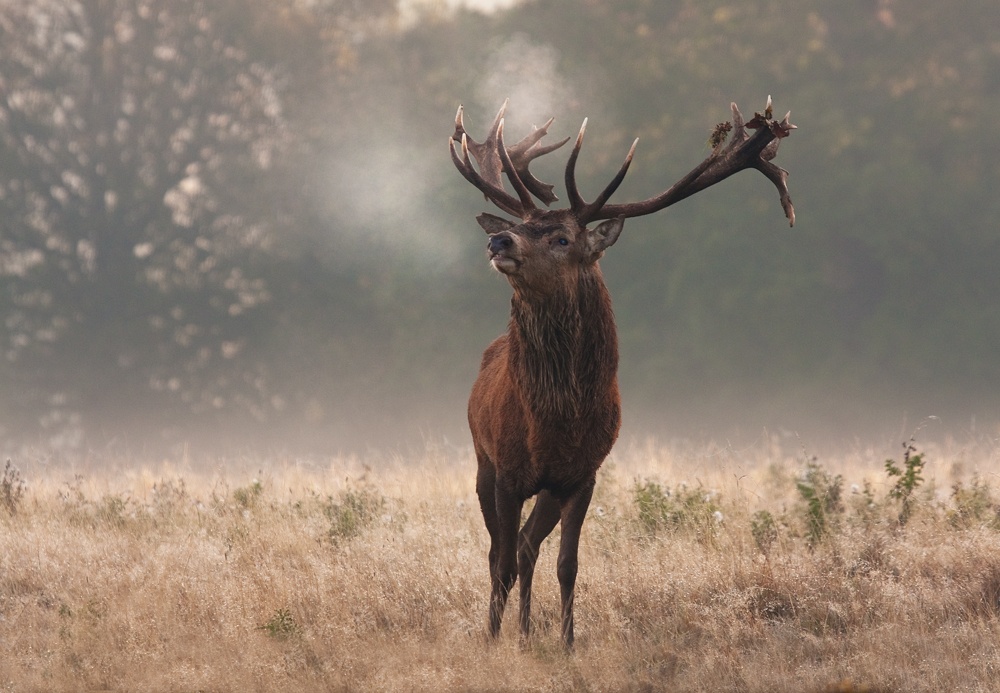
564, 348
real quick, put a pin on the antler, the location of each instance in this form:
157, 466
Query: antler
493, 157
743, 151
587, 212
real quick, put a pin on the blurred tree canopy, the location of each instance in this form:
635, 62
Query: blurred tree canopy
140, 142
237, 220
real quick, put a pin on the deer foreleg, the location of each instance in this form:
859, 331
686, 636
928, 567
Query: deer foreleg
508, 510
486, 480
574, 510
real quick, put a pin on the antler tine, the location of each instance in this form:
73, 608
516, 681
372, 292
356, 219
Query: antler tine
576, 202
608, 191
459, 123
533, 137
496, 195
484, 152
527, 204
777, 175
529, 149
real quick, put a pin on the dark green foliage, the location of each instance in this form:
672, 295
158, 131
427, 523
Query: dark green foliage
684, 508
246, 497
351, 512
281, 625
112, 511
907, 479
974, 505
864, 504
821, 495
764, 530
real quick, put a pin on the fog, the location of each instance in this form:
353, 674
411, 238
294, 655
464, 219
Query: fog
233, 229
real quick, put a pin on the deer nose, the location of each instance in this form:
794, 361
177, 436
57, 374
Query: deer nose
500, 242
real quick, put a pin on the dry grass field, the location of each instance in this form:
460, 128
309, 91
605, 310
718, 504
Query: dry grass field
702, 569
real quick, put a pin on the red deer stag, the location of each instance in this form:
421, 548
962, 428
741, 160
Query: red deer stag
545, 409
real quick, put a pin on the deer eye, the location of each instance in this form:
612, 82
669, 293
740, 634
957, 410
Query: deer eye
563, 241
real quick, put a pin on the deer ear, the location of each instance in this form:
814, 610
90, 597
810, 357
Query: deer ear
493, 224
604, 235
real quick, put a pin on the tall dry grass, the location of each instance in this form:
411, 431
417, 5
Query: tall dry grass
292, 575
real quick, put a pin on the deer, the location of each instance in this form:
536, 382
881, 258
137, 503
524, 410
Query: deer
545, 409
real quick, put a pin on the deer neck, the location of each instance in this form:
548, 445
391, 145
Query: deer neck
564, 353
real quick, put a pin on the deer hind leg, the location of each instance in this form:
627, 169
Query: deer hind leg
574, 510
540, 523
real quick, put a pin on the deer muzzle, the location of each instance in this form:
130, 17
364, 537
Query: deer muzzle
502, 249
500, 243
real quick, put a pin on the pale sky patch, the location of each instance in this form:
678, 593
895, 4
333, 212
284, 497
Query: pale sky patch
409, 9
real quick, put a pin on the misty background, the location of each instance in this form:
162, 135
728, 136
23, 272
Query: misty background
234, 224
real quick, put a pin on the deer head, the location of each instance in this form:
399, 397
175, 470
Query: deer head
549, 244
540, 253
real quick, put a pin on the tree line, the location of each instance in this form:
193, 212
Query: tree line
222, 220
